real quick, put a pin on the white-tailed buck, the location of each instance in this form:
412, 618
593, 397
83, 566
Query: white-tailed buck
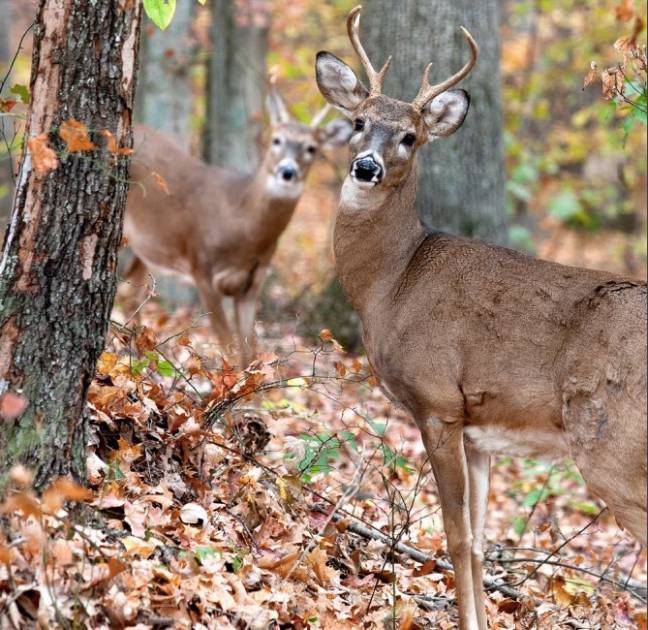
492, 352
217, 227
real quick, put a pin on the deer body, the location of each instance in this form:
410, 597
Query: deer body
491, 351
218, 228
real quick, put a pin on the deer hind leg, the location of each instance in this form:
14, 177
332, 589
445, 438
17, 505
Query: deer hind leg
245, 308
212, 302
444, 445
606, 433
136, 275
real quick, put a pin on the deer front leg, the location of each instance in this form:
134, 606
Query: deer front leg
445, 447
478, 473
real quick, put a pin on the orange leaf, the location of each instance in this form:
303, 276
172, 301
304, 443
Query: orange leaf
12, 405
326, 335
5, 555
340, 369
61, 490
75, 136
145, 339
43, 156
7, 104
22, 501
407, 617
316, 560
425, 569
112, 146
624, 10
161, 182
591, 75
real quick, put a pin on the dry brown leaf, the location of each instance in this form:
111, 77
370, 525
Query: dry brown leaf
43, 156
407, 617
161, 182
12, 405
624, 10
75, 135
112, 146
5, 554
145, 340
22, 501
612, 82
316, 560
425, 569
61, 490
591, 75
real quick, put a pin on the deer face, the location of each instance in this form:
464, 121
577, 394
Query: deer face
294, 146
387, 132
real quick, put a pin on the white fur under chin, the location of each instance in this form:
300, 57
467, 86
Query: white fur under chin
278, 188
357, 195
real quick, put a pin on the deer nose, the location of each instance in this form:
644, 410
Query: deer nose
288, 173
366, 169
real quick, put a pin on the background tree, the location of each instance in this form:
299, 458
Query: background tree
164, 101
236, 82
57, 273
462, 178
6, 124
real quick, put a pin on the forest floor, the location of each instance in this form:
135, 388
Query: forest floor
275, 497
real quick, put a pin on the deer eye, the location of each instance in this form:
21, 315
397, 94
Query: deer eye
311, 149
358, 124
409, 139
276, 141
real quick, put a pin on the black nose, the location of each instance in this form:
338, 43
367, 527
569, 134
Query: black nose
288, 173
366, 169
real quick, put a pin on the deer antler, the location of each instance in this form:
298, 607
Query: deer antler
427, 92
375, 78
320, 116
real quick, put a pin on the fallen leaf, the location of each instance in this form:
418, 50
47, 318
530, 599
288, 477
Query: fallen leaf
161, 182
112, 146
75, 136
12, 405
61, 490
43, 156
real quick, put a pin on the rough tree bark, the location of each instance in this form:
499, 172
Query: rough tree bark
461, 178
236, 82
57, 272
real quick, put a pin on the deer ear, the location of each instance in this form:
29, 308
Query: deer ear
338, 83
276, 107
335, 133
445, 113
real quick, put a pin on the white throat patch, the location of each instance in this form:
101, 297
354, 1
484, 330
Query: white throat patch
279, 188
356, 195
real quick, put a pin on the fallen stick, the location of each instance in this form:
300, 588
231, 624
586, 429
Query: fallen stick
419, 556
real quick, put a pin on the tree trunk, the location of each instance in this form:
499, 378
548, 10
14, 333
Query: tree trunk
164, 83
164, 102
461, 178
236, 82
6, 122
57, 273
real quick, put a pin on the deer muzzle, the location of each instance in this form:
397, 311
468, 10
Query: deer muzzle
367, 169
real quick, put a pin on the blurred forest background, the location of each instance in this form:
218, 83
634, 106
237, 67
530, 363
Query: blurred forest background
575, 185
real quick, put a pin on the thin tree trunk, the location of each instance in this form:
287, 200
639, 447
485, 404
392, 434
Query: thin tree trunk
57, 272
236, 82
461, 178
164, 83
6, 123
164, 102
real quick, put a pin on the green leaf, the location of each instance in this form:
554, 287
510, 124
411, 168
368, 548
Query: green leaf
565, 205
139, 365
165, 368
204, 551
519, 525
160, 12
532, 498
22, 91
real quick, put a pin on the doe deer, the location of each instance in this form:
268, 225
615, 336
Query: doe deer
215, 227
491, 351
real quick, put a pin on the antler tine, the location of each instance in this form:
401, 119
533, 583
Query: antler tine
320, 116
427, 92
375, 78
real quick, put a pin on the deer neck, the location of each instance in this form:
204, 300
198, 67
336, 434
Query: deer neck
267, 211
376, 235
